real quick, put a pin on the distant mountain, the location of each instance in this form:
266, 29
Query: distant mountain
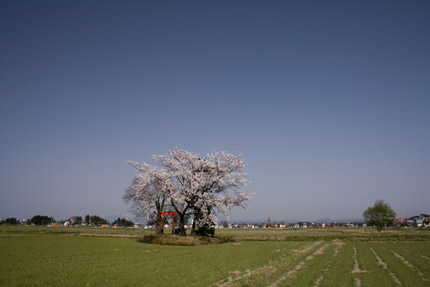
327, 220
250, 221
322, 220
111, 218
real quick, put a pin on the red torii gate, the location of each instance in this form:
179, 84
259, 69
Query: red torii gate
168, 213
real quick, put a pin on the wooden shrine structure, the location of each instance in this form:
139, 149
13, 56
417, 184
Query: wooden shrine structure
168, 213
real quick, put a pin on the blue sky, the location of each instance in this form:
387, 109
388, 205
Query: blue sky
328, 100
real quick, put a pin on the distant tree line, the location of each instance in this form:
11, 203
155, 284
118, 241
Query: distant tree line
89, 219
94, 219
123, 222
41, 220
36, 220
10, 220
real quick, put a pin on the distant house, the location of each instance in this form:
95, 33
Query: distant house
400, 221
304, 224
414, 221
75, 220
425, 218
422, 220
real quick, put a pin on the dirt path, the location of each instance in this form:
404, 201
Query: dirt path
385, 266
320, 279
356, 266
410, 265
301, 265
338, 245
268, 269
108, 235
307, 252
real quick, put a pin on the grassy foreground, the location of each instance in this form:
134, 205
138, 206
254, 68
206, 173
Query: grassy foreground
41, 256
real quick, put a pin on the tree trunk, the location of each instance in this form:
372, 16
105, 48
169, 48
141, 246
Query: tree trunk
182, 224
159, 228
181, 214
159, 225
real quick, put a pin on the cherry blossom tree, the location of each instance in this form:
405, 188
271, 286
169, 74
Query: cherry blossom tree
206, 185
148, 193
196, 186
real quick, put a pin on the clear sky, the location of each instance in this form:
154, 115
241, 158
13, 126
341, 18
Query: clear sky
329, 101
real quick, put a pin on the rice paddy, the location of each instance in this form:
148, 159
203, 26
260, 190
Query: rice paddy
41, 256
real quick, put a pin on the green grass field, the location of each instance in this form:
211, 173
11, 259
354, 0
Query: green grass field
42, 256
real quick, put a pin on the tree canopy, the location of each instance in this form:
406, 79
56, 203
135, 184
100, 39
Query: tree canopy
94, 219
11, 220
190, 184
41, 220
123, 222
379, 215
